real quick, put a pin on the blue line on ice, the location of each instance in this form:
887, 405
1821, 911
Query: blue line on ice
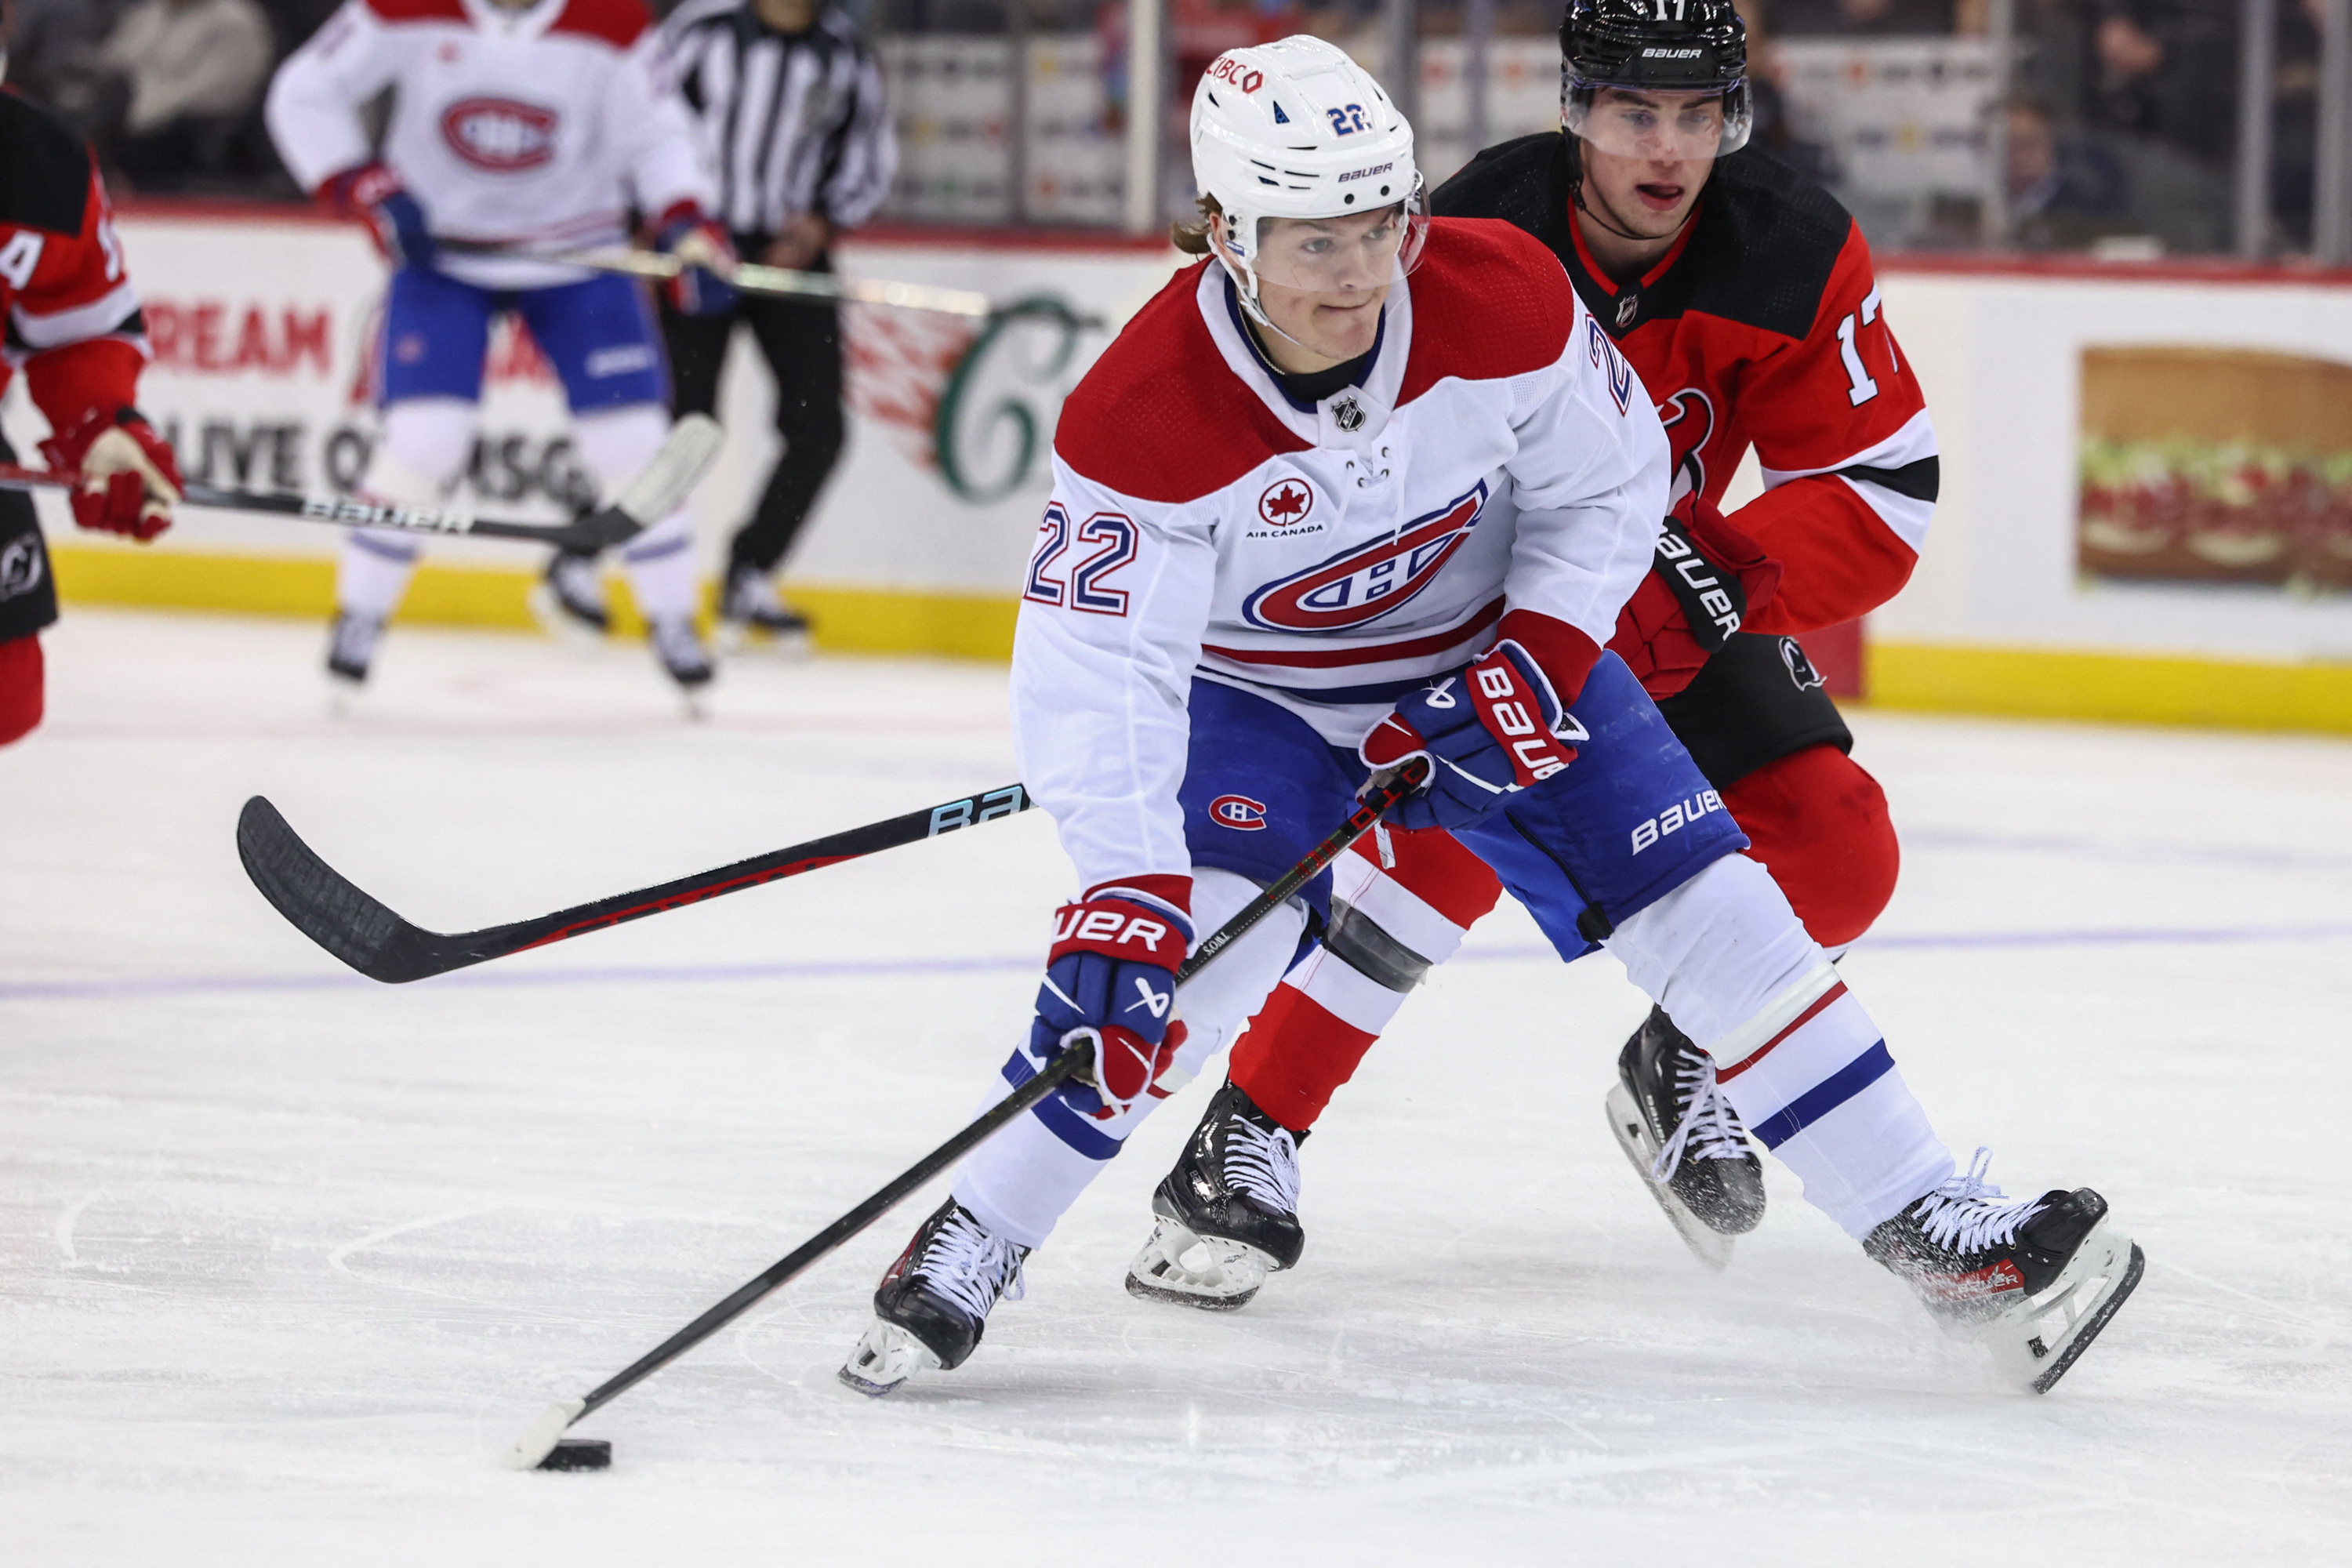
131, 988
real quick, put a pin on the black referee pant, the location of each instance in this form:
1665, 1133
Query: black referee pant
801, 340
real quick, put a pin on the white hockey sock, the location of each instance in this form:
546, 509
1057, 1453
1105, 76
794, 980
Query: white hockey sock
1796, 1054
1021, 1182
418, 456
616, 443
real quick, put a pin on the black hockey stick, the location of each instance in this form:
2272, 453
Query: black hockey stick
535, 1445
662, 485
333, 911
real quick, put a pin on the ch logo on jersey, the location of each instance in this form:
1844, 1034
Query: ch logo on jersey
499, 134
1689, 419
1362, 584
1238, 811
1285, 501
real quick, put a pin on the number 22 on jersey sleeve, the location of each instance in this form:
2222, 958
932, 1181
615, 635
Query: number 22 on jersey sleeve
1113, 538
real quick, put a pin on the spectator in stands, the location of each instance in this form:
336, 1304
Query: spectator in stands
54, 49
2167, 70
2065, 191
195, 69
1864, 18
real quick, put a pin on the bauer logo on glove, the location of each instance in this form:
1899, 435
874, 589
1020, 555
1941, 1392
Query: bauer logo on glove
1488, 732
1110, 980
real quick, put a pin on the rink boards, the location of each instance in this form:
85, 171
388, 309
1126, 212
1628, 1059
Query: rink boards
2201, 576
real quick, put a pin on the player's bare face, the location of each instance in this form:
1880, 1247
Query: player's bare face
1647, 156
1321, 282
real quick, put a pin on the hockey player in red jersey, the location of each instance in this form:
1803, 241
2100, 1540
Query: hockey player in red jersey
74, 329
1743, 298
1360, 489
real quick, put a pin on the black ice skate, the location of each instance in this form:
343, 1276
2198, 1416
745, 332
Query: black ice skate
1685, 1139
351, 648
2034, 1280
933, 1303
748, 609
1228, 1212
569, 598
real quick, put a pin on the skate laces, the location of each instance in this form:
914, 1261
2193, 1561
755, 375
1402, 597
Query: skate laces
1709, 1129
1263, 1162
970, 1266
1966, 1212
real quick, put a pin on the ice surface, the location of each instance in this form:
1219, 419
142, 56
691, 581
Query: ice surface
289, 1258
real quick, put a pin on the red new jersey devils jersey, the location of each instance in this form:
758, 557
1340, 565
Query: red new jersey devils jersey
1761, 327
73, 321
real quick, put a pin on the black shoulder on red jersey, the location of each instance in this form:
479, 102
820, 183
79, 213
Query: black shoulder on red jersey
1760, 251
44, 169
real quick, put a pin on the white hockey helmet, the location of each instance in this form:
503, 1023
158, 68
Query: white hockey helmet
1298, 129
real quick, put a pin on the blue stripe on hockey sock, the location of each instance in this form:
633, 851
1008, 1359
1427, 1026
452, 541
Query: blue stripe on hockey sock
1823, 1097
1061, 1121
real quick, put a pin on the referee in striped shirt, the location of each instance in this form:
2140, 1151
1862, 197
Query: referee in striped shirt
790, 102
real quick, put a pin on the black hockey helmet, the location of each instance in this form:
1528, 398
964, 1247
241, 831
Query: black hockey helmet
1660, 46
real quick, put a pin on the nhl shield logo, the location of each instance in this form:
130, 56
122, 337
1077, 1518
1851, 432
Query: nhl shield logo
1626, 310
1347, 414
1362, 584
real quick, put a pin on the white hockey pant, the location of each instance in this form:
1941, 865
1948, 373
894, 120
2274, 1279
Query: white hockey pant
420, 457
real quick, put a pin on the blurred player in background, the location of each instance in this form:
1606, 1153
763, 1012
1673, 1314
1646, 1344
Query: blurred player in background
1366, 488
75, 329
1742, 294
791, 102
520, 128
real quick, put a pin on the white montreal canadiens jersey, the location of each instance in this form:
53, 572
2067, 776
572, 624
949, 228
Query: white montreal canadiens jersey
1500, 458
537, 128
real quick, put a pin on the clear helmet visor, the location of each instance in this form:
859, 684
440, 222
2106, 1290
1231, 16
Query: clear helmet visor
1366, 251
1664, 125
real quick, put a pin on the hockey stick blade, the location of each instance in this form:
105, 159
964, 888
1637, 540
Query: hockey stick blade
333, 911
540, 1439
659, 489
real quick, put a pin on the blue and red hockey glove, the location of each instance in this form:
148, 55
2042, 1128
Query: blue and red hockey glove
374, 193
126, 478
1706, 579
708, 256
1112, 976
1489, 730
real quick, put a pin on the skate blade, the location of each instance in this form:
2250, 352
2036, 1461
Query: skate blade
1207, 1273
886, 1357
735, 639
344, 695
1707, 1243
560, 622
2037, 1346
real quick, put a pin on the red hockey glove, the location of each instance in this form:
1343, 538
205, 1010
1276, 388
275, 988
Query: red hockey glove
128, 479
1112, 975
374, 193
702, 286
1488, 731
1707, 578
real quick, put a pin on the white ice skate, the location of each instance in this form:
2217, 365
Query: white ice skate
568, 600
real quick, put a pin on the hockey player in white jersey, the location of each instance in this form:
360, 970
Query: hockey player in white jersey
1365, 487
519, 126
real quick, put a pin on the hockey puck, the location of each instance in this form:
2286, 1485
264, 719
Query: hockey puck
579, 1454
